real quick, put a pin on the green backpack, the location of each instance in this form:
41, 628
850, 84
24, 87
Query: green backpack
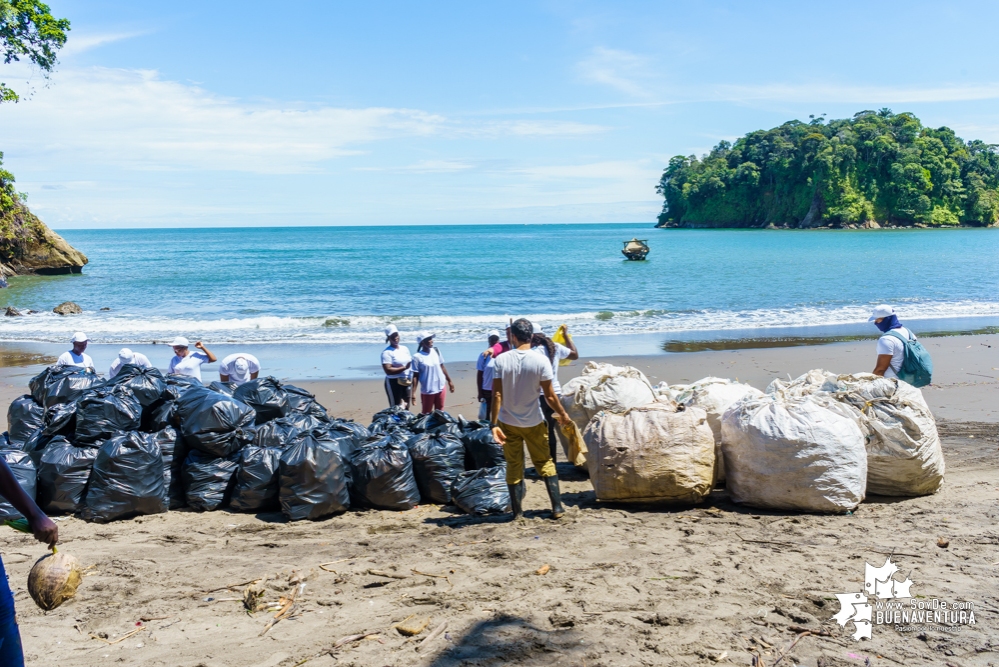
917, 367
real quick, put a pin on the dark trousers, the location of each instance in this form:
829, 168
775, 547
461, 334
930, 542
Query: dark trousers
552, 424
11, 654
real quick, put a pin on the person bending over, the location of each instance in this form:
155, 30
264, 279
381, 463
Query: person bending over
430, 374
516, 419
239, 368
125, 357
891, 350
44, 530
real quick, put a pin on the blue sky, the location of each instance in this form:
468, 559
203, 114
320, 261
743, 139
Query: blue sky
326, 113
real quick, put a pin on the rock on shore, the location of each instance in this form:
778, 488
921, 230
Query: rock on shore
36, 249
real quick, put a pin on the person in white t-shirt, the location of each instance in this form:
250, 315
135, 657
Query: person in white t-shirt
77, 356
126, 356
554, 353
239, 368
189, 363
429, 374
891, 350
517, 419
485, 366
396, 362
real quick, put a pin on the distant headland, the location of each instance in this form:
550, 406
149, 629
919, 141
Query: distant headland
877, 169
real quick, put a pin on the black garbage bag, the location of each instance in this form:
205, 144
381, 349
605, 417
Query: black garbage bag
24, 417
176, 495
266, 396
62, 384
63, 472
167, 440
36, 445
257, 483
471, 425
213, 423
431, 421
483, 449
60, 419
159, 415
147, 384
395, 416
105, 411
299, 400
481, 491
356, 431
182, 382
24, 470
209, 480
127, 479
437, 460
313, 480
279, 433
381, 473
226, 388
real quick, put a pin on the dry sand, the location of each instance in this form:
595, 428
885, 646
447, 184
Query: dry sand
712, 584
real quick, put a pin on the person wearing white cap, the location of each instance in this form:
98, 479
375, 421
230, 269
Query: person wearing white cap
239, 368
126, 356
429, 374
189, 363
890, 348
77, 356
485, 365
396, 362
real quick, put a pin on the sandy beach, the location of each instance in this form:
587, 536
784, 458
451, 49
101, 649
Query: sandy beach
713, 584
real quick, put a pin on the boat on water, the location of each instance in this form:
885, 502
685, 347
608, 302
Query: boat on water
636, 250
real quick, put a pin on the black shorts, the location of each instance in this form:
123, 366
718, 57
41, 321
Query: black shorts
396, 392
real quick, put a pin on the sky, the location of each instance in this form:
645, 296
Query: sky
377, 113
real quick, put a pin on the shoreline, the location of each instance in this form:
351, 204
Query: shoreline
965, 387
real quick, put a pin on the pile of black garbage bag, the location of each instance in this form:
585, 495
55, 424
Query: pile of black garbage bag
143, 443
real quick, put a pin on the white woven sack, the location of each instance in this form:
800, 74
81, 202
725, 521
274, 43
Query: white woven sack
904, 455
651, 454
714, 396
799, 453
605, 387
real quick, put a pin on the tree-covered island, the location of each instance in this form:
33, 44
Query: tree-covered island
875, 169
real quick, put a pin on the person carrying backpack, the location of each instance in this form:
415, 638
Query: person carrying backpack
900, 354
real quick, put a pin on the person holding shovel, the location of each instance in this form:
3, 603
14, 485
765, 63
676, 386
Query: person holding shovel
44, 530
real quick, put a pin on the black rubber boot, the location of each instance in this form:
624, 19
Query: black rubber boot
517, 499
551, 483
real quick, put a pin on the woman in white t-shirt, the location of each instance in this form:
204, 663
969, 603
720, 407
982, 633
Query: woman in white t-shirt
396, 362
555, 353
189, 363
891, 350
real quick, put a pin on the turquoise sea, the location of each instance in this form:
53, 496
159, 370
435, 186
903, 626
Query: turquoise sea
335, 288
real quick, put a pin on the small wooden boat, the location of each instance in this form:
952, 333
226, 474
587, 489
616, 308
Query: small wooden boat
635, 250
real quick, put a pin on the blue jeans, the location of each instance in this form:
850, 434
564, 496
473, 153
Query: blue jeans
11, 654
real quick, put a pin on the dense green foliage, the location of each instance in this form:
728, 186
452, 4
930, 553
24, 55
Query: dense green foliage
28, 30
17, 225
877, 166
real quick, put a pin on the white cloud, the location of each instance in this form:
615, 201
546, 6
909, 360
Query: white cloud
624, 71
78, 43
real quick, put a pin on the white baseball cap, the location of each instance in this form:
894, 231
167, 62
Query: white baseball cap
126, 355
390, 330
492, 333
884, 310
241, 365
79, 337
180, 341
537, 327
423, 335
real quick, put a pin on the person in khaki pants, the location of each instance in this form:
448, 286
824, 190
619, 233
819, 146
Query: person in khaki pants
516, 418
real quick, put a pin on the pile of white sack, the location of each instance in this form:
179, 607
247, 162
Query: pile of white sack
819, 443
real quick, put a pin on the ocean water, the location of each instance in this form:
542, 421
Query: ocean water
341, 285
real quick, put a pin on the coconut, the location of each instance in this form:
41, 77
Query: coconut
54, 579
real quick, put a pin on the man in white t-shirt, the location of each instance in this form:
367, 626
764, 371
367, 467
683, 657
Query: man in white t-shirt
430, 374
77, 356
517, 419
396, 362
189, 363
891, 350
239, 368
126, 356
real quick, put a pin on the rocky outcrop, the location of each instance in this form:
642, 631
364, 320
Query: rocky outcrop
67, 308
35, 248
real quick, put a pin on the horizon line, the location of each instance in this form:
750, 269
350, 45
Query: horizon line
363, 226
